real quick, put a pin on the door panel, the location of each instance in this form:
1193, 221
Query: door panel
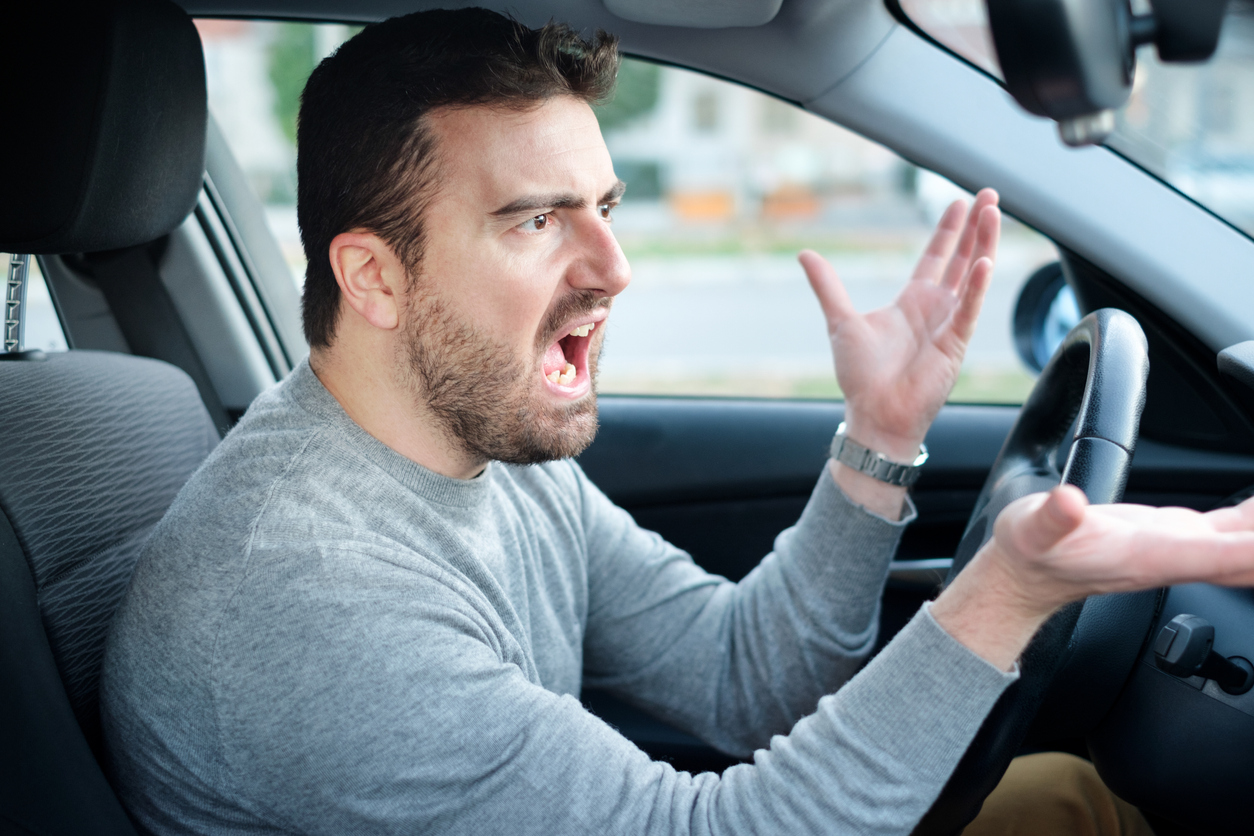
720, 478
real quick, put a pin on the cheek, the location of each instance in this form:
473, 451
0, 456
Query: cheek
515, 301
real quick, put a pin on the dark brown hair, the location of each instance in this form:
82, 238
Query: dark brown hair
365, 159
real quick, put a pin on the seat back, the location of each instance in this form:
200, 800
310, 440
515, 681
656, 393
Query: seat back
93, 446
96, 447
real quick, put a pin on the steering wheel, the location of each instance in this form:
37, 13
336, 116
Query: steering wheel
1096, 382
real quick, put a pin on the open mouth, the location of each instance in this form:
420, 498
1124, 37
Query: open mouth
566, 361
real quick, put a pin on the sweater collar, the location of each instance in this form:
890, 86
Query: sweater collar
307, 390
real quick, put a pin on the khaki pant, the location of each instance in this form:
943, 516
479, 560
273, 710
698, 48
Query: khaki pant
1055, 793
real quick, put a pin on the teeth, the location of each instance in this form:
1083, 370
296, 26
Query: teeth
583, 330
565, 377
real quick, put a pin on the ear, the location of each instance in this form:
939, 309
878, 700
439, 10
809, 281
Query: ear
370, 276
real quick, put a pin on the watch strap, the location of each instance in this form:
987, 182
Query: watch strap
874, 463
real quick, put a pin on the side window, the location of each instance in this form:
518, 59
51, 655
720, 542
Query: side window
42, 325
255, 71
724, 186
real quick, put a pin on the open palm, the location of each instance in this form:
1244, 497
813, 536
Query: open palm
1062, 549
896, 365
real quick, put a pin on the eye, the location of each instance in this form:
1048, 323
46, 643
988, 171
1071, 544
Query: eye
536, 224
606, 210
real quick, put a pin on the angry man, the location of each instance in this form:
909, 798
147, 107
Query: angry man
374, 607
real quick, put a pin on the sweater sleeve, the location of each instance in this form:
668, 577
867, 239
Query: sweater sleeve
419, 720
734, 663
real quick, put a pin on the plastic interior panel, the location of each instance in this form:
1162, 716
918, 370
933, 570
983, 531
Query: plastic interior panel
82, 308
1158, 747
653, 451
212, 315
264, 260
815, 43
706, 14
215, 226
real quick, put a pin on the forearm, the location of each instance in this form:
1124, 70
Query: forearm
735, 664
888, 501
983, 610
882, 747
869, 759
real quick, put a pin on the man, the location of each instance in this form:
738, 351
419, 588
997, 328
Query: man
374, 607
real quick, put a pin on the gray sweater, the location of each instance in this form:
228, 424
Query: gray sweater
324, 637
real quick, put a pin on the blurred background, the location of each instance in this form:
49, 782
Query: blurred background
726, 185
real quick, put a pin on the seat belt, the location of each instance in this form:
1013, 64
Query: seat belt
14, 347
148, 320
15, 303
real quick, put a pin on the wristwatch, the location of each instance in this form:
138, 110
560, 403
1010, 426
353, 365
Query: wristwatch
874, 463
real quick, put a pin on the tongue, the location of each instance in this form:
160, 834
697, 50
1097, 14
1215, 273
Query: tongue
554, 359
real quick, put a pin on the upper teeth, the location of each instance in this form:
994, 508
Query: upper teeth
582, 330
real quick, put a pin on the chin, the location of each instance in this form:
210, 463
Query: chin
549, 433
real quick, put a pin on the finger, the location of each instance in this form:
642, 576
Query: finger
987, 235
1060, 514
827, 286
968, 249
1238, 518
1226, 559
939, 249
972, 299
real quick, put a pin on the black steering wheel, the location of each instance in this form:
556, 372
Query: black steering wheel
1095, 382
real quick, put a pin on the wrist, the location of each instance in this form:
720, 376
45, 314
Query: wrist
988, 609
900, 447
888, 501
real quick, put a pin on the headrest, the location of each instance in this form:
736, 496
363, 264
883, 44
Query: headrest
105, 135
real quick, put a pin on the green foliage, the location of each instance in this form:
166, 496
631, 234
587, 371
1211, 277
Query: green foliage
291, 62
638, 84
292, 59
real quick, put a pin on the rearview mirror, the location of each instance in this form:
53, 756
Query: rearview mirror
1073, 60
1045, 313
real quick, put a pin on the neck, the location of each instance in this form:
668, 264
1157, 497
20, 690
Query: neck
370, 394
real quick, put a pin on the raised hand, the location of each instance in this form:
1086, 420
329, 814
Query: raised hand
1049, 549
896, 365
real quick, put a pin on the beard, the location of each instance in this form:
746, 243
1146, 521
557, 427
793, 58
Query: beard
486, 398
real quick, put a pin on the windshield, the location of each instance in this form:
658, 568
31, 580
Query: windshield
1192, 125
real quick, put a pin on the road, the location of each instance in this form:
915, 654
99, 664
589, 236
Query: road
753, 317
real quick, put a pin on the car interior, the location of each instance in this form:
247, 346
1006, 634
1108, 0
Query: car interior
178, 310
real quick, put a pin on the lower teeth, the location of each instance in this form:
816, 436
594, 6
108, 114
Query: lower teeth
565, 377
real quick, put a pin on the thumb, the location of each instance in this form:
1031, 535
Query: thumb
1060, 514
833, 298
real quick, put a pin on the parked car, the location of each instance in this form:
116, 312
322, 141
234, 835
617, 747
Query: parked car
719, 477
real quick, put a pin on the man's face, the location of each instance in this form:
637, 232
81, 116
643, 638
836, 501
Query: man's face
520, 266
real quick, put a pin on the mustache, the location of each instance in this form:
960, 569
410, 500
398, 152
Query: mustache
566, 308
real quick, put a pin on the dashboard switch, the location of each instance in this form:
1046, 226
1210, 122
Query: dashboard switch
1183, 645
1184, 648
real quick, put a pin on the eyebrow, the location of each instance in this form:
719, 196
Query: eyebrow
557, 201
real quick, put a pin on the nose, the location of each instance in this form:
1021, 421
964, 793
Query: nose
600, 265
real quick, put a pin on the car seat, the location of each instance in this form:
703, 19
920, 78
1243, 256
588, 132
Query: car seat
108, 153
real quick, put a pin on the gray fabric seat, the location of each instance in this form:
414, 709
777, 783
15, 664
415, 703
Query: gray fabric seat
96, 447
93, 446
